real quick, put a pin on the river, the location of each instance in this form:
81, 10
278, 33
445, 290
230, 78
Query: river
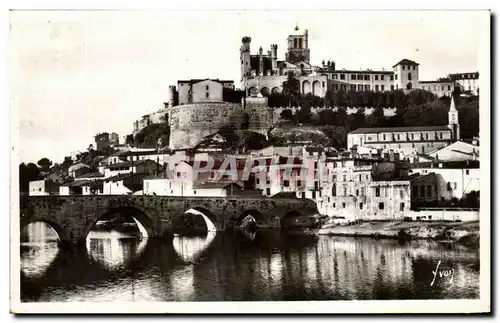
265, 266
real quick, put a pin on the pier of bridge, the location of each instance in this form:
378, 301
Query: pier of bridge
73, 217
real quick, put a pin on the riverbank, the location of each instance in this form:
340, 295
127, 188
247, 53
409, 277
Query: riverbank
466, 233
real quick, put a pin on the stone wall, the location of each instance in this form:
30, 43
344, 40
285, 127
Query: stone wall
189, 123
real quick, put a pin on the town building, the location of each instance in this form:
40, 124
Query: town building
421, 139
453, 179
441, 87
202, 90
114, 139
264, 73
78, 169
468, 82
43, 187
362, 189
102, 141
145, 166
123, 184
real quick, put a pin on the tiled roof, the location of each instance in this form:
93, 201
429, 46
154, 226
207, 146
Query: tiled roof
399, 129
406, 62
194, 81
91, 175
208, 185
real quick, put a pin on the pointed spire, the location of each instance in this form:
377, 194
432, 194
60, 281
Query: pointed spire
452, 104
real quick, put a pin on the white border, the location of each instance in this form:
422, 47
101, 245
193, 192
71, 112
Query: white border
393, 306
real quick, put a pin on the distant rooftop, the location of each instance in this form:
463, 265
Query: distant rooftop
399, 129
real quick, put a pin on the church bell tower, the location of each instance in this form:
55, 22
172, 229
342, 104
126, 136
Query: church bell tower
453, 121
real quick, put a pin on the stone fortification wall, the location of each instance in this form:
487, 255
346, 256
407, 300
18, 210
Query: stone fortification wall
189, 123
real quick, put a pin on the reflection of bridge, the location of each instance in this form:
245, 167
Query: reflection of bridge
72, 217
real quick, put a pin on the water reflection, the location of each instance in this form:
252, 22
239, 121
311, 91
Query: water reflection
270, 266
190, 248
114, 249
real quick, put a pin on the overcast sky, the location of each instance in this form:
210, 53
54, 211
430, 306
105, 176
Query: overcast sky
74, 74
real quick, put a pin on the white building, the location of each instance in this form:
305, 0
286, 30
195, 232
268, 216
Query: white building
468, 82
408, 140
457, 151
454, 179
43, 187
440, 88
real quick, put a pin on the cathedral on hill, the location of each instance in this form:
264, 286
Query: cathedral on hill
263, 73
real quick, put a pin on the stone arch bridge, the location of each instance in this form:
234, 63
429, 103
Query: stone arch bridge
72, 217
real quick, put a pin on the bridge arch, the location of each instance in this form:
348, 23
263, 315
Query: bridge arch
196, 219
63, 235
254, 215
145, 223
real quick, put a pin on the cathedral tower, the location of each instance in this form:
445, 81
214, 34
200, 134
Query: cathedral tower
298, 46
245, 57
453, 121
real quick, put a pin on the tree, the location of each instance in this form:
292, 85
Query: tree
291, 89
129, 139
326, 117
377, 118
356, 120
255, 141
27, 173
286, 114
44, 164
230, 135
304, 114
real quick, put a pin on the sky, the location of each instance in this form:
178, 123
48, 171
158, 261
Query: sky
74, 74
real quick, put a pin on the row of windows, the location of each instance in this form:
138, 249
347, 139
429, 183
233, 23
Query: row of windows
436, 88
422, 191
412, 136
381, 205
409, 67
361, 77
360, 87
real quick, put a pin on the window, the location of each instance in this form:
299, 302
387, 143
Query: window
334, 76
345, 190
300, 43
367, 77
353, 77
441, 135
466, 172
299, 183
342, 76
313, 194
429, 191
367, 87
392, 77
343, 205
178, 174
333, 204
323, 83
399, 138
335, 86
401, 206
409, 76
377, 191
376, 87
353, 87
383, 136
295, 43
207, 87
362, 191
381, 78
360, 77
257, 181
403, 67
381, 206
286, 183
334, 190
360, 177
426, 136
360, 206
207, 95
360, 87
344, 178
268, 191
382, 87
396, 77
401, 194
392, 87
376, 77
357, 192
449, 87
